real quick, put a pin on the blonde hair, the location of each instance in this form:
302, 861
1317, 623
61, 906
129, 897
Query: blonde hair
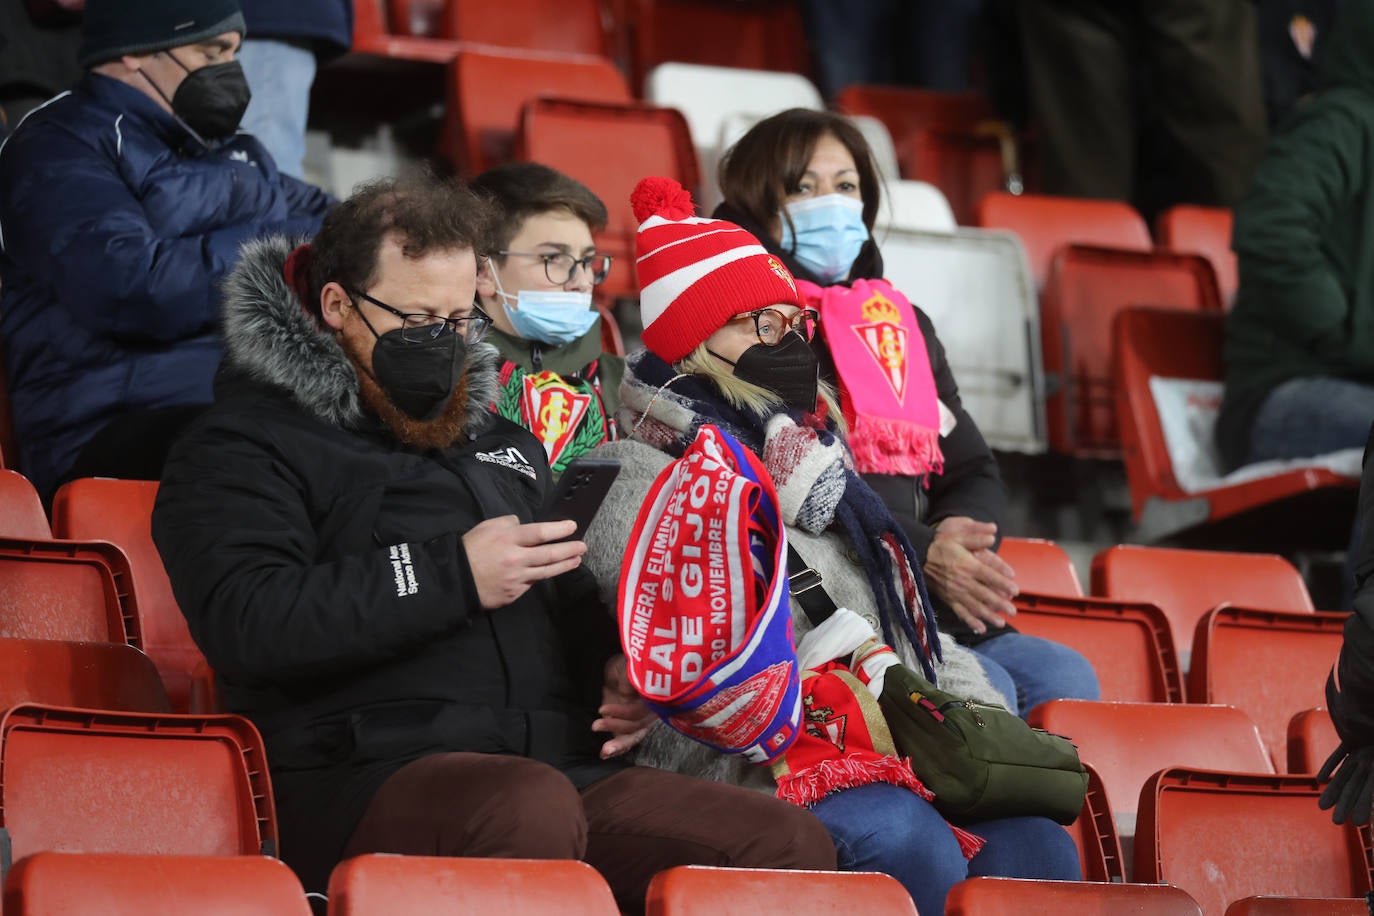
746, 395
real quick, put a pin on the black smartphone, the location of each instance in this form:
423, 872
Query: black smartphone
579, 492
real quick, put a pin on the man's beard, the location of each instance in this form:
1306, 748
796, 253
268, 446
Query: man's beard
440, 432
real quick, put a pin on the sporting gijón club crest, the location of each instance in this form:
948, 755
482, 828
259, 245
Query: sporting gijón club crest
885, 339
555, 410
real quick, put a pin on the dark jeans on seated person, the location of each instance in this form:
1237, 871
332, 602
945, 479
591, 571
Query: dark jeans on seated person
628, 826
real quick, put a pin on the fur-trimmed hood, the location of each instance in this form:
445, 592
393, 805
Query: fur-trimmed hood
272, 339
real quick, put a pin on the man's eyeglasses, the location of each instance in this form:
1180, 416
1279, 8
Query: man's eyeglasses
419, 327
559, 267
770, 324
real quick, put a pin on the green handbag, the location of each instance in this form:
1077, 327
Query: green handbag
980, 761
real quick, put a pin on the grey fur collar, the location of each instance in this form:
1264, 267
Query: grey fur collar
270, 337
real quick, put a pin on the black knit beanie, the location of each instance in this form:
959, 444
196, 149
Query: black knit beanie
113, 28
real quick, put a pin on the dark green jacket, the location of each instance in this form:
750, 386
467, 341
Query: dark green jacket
1304, 236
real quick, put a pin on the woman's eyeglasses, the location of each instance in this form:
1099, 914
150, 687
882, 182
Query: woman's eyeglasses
770, 324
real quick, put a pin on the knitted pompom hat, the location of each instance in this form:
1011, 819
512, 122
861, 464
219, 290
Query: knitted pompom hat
695, 273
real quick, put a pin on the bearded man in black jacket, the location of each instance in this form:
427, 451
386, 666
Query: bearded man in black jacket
350, 533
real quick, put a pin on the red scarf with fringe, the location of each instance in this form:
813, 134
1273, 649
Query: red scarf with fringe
887, 388
844, 742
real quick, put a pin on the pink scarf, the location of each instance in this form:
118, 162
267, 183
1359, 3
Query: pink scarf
887, 388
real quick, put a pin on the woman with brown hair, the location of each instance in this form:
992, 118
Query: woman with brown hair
805, 184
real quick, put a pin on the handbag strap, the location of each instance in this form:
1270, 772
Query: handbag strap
805, 585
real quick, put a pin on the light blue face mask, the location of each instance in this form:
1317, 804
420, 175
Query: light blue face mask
829, 231
552, 316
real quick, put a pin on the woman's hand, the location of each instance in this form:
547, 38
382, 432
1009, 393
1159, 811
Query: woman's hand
623, 713
964, 572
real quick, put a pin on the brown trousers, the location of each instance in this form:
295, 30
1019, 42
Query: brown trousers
628, 826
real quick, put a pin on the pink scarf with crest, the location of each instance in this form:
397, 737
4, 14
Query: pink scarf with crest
887, 388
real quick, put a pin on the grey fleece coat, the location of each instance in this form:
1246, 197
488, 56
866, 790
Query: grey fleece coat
844, 580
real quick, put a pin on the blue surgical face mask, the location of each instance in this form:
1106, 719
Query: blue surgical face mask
553, 316
826, 234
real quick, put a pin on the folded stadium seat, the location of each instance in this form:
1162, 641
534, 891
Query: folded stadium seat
1224, 836
1272, 664
371, 36
81, 780
1311, 739
21, 511
1086, 287
120, 511
611, 340
1189, 229
951, 139
1128, 643
545, 25
419, 18
609, 148
9, 449
1094, 834
56, 883
1169, 387
699, 890
205, 698
1025, 897
968, 281
884, 151
93, 675
1266, 905
488, 86
1128, 742
375, 885
721, 104
1042, 567
757, 35
1185, 584
912, 205
74, 590
1046, 223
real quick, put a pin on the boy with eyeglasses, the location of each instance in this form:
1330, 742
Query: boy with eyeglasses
556, 381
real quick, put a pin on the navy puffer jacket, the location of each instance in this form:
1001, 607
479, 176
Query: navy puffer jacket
116, 226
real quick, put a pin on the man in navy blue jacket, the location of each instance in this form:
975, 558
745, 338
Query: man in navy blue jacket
122, 204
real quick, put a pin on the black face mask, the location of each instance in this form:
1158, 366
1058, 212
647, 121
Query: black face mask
211, 101
789, 370
419, 378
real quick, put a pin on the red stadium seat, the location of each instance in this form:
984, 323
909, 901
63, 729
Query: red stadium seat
696, 890
80, 780
92, 675
417, 18
1272, 664
487, 89
9, 449
1311, 739
1042, 567
1024, 897
120, 511
1188, 229
611, 341
952, 140
1186, 584
610, 148
1087, 286
21, 511
1225, 836
69, 590
1297, 906
1128, 742
1045, 224
375, 884
1095, 835
1305, 506
573, 26
53, 883
756, 35
1128, 643
371, 36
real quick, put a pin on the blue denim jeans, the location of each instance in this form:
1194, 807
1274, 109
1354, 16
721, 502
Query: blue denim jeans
1311, 416
280, 75
1029, 670
884, 828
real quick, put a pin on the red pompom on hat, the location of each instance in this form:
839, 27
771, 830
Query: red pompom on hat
696, 273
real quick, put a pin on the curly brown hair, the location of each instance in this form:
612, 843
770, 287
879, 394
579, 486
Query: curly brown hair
426, 213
